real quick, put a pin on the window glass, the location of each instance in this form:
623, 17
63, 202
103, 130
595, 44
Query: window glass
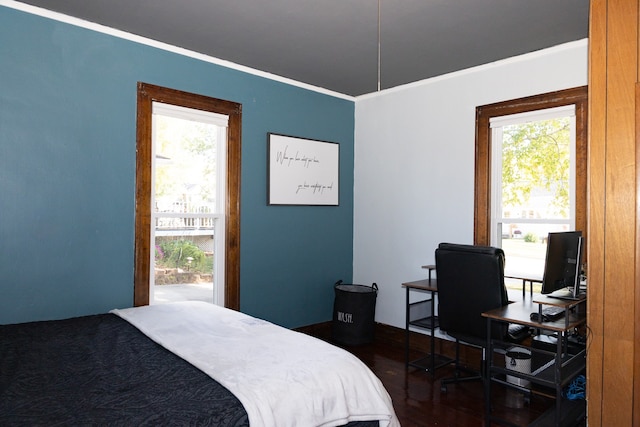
187, 205
533, 185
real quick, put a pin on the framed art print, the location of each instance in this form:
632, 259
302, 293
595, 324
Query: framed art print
302, 171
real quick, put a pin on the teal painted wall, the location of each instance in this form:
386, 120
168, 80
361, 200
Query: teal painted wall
67, 172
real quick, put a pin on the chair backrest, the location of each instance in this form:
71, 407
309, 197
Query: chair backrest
470, 281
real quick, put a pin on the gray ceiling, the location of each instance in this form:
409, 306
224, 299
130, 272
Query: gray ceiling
333, 44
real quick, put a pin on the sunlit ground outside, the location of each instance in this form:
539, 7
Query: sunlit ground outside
184, 292
524, 259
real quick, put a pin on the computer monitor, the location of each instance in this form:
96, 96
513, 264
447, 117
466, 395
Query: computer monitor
563, 264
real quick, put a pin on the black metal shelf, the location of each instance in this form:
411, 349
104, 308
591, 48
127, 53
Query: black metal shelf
425, 323
571, 366
556, 366
571, 413
425, 363
421, 314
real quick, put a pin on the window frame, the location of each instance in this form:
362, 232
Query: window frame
147, 94
482, 194
497, 131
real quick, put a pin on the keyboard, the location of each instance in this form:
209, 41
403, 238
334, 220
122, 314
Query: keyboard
552, 313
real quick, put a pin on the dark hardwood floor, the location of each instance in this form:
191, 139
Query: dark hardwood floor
416, 395
417, 398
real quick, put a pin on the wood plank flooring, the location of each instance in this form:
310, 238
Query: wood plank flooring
417, 398
419, 402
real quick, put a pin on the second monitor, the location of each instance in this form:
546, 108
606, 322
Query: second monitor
563, 264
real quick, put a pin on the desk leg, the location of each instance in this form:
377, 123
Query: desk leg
557, 375
531, 288
433, 337
486, 375
407, 335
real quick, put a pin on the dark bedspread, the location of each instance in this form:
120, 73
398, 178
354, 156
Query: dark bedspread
100, 370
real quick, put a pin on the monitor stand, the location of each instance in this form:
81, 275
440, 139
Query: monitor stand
567, 294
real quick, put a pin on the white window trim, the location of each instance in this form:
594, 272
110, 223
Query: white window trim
185, 113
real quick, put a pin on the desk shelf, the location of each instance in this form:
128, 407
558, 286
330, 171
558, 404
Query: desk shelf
428, 364
570, 367
421, 314
425, 322
558, 368
572, 412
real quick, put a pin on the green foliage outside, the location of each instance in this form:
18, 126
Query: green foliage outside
536, 155
191, 148
530, 237
177, 253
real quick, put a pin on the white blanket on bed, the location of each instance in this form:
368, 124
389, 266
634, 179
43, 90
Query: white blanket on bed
281, 377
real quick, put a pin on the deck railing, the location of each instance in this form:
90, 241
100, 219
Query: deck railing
184, 221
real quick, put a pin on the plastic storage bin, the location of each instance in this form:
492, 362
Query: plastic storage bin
354, 311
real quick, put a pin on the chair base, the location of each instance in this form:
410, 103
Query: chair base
458, 379
475, 375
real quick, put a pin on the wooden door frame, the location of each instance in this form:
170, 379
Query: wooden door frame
147, 94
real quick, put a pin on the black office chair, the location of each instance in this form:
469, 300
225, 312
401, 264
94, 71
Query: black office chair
470, 282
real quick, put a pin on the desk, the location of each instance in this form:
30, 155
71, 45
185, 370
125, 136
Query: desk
525, 280
561, 368
431, 361
524, 283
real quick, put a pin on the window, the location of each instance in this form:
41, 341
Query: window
520, 198
533, 184
147, 95
187, 205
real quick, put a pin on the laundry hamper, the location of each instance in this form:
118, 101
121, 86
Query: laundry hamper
354, 310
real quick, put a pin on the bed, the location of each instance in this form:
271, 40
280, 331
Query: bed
184, 363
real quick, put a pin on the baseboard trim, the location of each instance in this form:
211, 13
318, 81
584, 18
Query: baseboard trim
396, 337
